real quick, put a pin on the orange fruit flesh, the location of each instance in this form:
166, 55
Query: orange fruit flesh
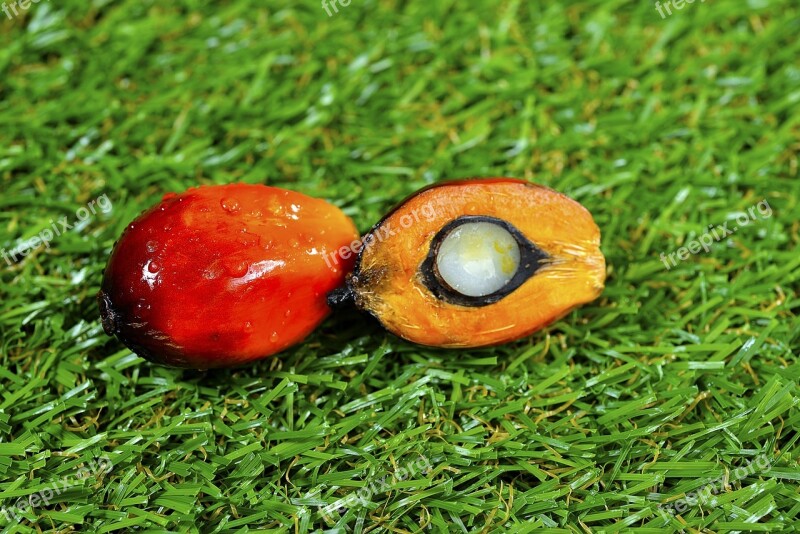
387, 281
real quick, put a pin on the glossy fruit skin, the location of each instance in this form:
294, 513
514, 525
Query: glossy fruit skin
223, 275
390, 280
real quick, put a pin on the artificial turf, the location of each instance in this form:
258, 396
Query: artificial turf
659, 126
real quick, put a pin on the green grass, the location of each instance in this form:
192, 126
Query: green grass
671, 379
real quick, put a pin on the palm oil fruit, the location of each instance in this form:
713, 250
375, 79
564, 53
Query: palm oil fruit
477, 263
222, 275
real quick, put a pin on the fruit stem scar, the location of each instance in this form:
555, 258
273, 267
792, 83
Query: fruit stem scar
108, 316
341, 297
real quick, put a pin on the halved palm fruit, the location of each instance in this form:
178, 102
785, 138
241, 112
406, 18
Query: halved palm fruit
478, 262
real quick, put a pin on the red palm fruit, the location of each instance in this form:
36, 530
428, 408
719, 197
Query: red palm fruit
222, 275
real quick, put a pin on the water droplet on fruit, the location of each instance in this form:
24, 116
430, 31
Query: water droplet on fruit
153, 267
248, 326
275, 207
236, 268
274, 337
152, 246
287, 314
212, 272
230, 205
294, 243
